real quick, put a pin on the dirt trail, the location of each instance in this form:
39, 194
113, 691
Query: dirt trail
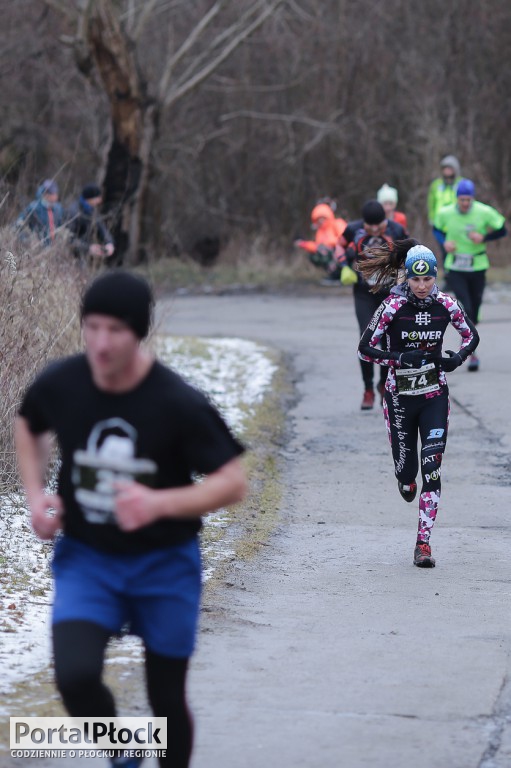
329, 649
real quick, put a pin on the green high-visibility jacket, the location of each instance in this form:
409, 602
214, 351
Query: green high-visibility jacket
440, 194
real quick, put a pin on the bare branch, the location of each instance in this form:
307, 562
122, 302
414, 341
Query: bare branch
129, 16
187, 45
210, 67
275, 117
227, 85
148, 8
324, 126
300, 12
83, 21
63, 7
215, 44
67, 40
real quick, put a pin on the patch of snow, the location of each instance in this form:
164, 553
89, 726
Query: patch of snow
235, 373
25, 599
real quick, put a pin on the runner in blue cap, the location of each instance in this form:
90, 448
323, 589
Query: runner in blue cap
465, 228
412, 321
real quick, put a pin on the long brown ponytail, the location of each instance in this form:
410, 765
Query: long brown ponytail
381, 265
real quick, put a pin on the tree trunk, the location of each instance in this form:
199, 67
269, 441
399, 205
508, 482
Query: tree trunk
134, 118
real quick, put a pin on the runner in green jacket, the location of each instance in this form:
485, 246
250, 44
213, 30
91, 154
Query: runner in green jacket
465, 228
442, 192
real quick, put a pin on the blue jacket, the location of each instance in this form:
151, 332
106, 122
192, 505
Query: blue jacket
42, 219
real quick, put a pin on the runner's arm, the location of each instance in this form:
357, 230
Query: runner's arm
367, 349
33, 453
465, 328
439, 235
431, 202
24, 216
495, 234
308, 245
350, 257
137, 505
345, 253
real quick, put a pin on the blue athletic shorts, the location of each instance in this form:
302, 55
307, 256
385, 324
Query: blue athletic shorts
156, 593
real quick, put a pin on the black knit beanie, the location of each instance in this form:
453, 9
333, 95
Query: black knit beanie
122, 295
90, 191
372, 212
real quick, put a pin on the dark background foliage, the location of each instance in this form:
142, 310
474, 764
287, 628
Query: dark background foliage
333, 97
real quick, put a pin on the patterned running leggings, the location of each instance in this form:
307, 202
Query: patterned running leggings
406, 418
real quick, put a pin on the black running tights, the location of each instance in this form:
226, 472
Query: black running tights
468, 287
79, 649
366, 304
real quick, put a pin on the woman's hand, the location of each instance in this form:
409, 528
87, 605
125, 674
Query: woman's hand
414, 358
451, 362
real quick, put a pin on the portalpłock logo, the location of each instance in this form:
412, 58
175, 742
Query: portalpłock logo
87, 737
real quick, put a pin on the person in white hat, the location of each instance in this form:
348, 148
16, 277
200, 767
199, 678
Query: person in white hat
388, 197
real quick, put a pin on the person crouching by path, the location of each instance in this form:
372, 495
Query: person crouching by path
132, 435
413, 319
328, 231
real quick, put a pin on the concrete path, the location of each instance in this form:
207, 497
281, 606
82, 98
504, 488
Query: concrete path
331, 650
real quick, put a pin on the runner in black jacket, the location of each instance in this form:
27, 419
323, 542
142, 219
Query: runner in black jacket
412, 320
372, 230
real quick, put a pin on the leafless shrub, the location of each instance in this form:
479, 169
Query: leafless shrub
39, 299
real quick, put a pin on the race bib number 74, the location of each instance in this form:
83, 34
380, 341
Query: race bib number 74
417, 381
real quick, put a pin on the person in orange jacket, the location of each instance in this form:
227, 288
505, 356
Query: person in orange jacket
328, 231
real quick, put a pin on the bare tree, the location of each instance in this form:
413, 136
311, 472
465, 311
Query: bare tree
107, 36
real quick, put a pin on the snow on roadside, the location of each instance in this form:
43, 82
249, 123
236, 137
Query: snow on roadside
235, 373
25, 601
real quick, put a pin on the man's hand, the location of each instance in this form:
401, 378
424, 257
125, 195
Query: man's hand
45, 525
450, 246
99, 251
109, 249
476, 237
96, 250
134, 506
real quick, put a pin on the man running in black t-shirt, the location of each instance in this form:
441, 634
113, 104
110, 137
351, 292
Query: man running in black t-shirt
132, 436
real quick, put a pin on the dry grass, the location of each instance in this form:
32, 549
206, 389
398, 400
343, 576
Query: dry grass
263, 263
39, 300
256, 262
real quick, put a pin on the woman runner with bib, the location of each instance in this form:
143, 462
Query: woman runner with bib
412, 321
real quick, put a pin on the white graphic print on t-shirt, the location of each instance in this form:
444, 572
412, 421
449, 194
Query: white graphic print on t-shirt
108, 459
